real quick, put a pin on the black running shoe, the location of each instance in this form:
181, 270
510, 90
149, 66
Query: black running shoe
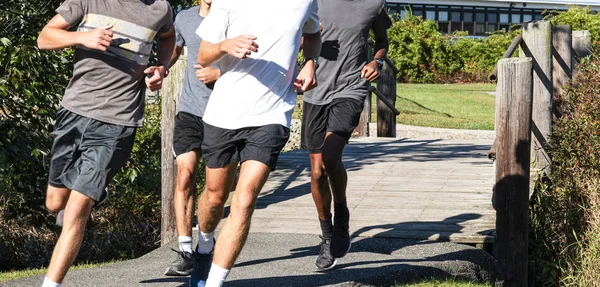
182, 266
202, 264
340, 240
325, 260
103, 198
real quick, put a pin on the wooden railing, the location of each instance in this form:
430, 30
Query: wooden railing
386, 101
526, 90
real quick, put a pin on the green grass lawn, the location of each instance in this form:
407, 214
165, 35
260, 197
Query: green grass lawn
456, 106
444, 283
13, 275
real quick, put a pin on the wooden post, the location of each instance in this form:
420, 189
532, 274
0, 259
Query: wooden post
582, 43
537, 44
362, 129
511, 192
172, 87
562, 66
386, 118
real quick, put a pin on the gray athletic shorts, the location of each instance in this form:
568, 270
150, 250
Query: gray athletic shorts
87, 153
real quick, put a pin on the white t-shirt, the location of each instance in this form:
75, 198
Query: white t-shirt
258, 90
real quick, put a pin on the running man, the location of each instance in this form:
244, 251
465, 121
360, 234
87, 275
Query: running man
332, 110
189, 129
102, 105
248, 115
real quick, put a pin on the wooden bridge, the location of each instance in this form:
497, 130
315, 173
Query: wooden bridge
403, 188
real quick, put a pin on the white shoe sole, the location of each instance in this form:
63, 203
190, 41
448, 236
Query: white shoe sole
328, 268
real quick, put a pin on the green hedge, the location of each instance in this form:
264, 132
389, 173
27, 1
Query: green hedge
424, 55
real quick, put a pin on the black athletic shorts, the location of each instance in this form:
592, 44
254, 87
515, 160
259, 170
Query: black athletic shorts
87, 153
222, 147
340, 117
187, 134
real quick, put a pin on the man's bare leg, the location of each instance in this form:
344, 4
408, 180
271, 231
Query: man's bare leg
233, 235
211, 203
319, 186
333, 147
77, 213
187, 166
56, 200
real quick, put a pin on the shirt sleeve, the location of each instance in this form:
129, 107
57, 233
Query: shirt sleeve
72, 11
382, 21
213, 28
179, 41
168, 20
313, 24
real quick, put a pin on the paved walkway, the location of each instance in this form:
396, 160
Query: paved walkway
400, 192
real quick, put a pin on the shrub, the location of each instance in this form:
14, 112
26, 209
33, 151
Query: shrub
580, 18
424, 55
31, 84
565, 215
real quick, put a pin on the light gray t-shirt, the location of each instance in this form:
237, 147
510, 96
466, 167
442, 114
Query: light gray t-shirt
109, 86
346, 26
195, 93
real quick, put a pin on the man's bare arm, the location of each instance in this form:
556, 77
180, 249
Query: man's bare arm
166, 44
176, 53
306, 79
55, 35
239, 47
382, 43
311, 45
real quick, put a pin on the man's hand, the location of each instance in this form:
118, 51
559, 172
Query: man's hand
240, 47
207, 75
306, 79
370, 71
156, 74
98, 39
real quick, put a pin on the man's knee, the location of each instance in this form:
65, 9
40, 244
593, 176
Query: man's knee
331, 161
56, 198
245, 204
186, 178
318, 174
216, 195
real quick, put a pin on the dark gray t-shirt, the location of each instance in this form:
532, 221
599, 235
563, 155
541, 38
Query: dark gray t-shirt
109, 86
195, 93
346, 26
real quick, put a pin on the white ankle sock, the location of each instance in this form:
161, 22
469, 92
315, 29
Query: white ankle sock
205, 242
50, 283
60, 217
216, 276
185, 244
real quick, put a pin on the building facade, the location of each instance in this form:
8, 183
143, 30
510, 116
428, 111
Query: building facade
481, 17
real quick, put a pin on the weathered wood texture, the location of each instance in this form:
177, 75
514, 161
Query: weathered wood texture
362, 130
172, 87
386, 118
537, 44
398, 188
511, 192
582, 43
562, 65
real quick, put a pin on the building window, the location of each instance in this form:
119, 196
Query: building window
492, 27
480, 29
527, 18
493, 18
430, 15
455, 16
403, 14
516, 18
443, 16
468, 17
480, 17
503, 18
